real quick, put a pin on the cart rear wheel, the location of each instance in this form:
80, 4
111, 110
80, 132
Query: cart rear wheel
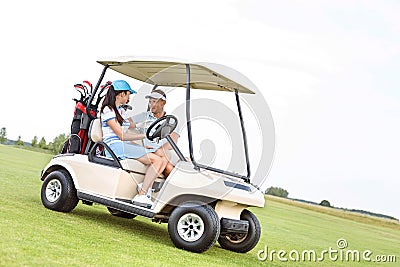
243, 243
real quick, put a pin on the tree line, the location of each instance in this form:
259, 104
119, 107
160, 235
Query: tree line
54, 146
280, 192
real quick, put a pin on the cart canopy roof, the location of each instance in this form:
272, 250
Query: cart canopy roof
172, 72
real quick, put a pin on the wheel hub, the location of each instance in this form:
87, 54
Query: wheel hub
53, 190
190, 227
236, 238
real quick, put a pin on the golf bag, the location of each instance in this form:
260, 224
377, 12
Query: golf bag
79, 138
79, 129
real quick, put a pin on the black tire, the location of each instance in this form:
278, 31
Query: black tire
121, 214
194, 227
58, 192
243, 243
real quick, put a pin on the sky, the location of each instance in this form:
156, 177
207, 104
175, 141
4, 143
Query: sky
327, 69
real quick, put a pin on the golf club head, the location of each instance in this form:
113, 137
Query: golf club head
85, 88
81, 90
89, 84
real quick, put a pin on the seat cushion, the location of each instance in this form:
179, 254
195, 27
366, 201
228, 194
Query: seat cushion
95, 131
133, 165
136, 166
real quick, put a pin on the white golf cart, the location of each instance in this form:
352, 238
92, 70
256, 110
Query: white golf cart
200, 203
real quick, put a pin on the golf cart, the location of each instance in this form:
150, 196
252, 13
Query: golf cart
200, 203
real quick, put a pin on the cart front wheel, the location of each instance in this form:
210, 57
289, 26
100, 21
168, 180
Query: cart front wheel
194, 227
58, 192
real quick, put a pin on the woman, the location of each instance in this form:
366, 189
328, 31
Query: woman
114, 126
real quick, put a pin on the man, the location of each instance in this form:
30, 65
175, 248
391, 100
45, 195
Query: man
157, 100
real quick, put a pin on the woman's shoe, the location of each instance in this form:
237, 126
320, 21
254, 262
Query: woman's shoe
149, 192
143, 201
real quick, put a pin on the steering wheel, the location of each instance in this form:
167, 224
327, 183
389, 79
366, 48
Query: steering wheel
162, 127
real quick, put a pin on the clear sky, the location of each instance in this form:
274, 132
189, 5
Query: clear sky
328, 70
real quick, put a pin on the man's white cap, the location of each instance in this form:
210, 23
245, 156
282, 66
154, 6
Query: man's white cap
157, 94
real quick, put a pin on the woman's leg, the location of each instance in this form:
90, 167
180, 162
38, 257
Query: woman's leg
157, 166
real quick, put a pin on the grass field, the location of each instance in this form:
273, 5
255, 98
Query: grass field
32, 235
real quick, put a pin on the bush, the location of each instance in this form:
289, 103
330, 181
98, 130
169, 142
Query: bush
58, 143
3, 135
277, 191
34, 142
42, 143
19, 142
325, 203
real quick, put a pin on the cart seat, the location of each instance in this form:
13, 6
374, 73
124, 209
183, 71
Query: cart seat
96, 135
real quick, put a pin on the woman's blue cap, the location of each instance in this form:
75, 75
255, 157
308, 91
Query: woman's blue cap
121, 85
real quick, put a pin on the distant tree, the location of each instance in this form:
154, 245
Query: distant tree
3, 135
325, 203
42, 143
58, 143
50, 146
19, 141
277, 191
34, 141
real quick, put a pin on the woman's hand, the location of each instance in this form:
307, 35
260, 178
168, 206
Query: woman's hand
124, 136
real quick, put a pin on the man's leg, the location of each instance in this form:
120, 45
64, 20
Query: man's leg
163, 152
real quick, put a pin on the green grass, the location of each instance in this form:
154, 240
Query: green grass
32, 235
35, 149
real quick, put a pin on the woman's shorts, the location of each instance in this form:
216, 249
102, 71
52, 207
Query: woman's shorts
129, 150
